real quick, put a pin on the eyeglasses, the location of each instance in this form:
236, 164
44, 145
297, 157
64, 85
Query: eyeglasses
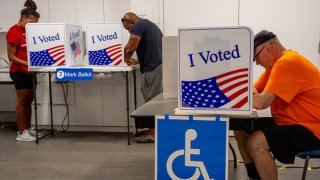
123, 20
256, 57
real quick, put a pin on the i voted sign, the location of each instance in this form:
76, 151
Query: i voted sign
215, 69
191, 148
54, 45
74, 74
104, 44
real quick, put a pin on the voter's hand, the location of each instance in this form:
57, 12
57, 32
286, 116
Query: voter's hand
132, 62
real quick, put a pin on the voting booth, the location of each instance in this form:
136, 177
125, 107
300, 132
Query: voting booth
214, 78
215, 70
104, 44
54, 45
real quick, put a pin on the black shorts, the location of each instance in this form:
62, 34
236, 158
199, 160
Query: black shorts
286, 141
22, 80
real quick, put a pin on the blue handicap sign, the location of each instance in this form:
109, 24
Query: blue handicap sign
191, 149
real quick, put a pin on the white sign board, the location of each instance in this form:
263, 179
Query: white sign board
54, 45
104, 44
215, 70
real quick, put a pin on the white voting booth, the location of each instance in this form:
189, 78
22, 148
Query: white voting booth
214, 78
58, 48
104, 44
54, 45
215, 66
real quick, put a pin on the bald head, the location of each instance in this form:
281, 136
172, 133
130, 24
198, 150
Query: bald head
131, 17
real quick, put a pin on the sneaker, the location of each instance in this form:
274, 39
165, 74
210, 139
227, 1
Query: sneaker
145, 139
25, 136
32, 132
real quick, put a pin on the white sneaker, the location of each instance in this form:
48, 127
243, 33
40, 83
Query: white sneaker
25, 136
32, 132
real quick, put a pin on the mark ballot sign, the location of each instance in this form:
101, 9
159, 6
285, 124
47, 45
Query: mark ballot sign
215, 69
104, 44
54, 45
191, 148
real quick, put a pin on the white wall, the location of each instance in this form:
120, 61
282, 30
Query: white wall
295, 22
199, 13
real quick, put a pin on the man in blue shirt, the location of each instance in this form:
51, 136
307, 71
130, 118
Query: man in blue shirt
146, 40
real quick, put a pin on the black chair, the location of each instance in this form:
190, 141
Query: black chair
307, 155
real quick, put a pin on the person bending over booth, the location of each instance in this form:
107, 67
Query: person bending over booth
290, 85
146, 39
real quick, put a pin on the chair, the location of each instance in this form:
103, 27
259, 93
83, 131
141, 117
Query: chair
307, 155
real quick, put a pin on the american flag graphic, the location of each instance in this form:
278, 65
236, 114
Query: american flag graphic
112, 55
48, 57
228, 90
76, 50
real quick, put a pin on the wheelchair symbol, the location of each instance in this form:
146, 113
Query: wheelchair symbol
190, 135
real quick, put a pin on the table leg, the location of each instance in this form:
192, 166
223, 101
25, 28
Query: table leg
51, 113
34, 74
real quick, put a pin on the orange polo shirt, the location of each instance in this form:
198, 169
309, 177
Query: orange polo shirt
296, 83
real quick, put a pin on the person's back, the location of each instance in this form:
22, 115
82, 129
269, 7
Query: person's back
149, 51
296, 82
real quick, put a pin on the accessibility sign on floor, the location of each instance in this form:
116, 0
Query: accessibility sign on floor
191, 148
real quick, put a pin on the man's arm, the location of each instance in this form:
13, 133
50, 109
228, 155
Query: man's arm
131, 46
262, 100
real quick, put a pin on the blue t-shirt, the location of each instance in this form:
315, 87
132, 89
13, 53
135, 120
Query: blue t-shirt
149, 50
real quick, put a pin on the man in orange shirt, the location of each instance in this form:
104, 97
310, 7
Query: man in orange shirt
290, 85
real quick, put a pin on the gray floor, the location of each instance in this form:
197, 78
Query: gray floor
89, 155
